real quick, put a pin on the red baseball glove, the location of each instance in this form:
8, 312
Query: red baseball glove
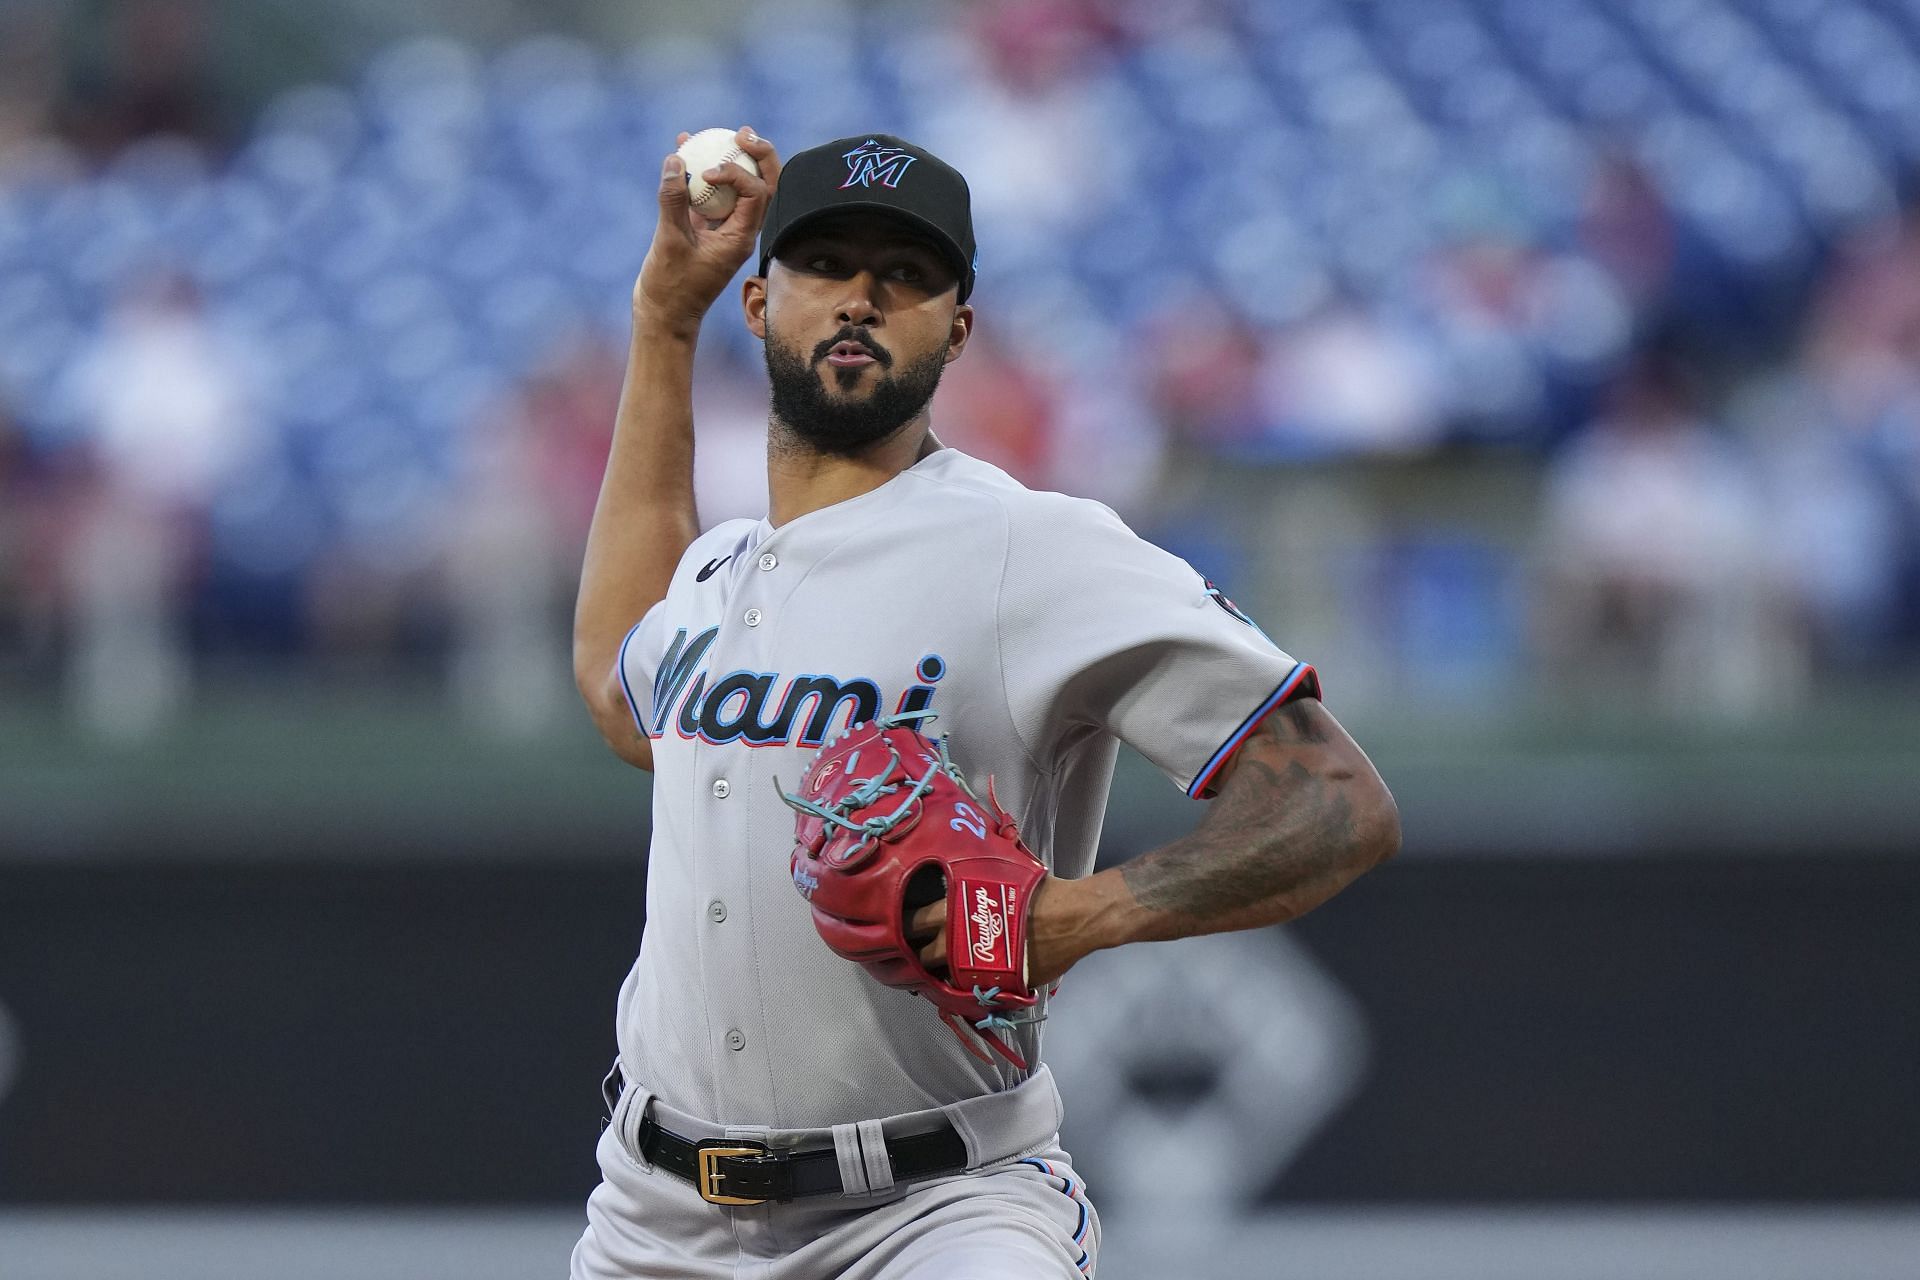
885, 823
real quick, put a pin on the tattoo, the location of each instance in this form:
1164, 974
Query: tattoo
1279, 839
1305, 728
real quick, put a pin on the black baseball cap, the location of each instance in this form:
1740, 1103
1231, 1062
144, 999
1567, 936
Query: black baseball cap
879, 172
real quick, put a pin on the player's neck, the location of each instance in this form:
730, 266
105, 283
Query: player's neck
802, 480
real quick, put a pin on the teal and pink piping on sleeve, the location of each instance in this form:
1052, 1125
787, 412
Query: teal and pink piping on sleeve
620, 665
1302, 682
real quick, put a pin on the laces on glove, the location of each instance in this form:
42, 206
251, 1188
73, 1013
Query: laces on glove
997, 1020
868, 791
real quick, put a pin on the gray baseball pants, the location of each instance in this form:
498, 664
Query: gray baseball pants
1019, 1212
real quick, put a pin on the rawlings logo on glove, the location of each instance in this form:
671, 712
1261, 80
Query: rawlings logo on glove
987, 923
885, 823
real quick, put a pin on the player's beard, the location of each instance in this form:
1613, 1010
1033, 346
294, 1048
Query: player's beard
847, 424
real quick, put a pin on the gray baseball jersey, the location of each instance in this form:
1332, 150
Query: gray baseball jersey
1040, 630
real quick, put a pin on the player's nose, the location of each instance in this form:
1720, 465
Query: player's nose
859, 303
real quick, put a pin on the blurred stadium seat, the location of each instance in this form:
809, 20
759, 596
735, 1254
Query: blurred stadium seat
1491, 203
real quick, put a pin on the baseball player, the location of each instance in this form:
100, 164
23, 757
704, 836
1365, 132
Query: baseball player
777, 1110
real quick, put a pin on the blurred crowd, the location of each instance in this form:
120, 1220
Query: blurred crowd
339, 384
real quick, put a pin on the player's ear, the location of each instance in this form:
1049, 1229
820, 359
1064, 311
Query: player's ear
959, 331
753, 305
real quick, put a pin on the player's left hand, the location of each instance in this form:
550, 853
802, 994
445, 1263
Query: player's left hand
1052, 932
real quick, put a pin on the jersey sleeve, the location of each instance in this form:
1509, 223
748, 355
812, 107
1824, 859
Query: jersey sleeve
1101, 629
640, 658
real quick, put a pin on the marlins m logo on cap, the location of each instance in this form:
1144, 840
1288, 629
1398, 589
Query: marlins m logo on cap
870, 162
865, 172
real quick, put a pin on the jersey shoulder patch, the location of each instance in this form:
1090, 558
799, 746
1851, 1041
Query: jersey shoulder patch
1219, 597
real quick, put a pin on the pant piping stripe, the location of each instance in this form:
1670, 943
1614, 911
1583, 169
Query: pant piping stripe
1071, 1191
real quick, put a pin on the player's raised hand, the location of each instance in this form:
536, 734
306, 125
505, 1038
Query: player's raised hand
692, 258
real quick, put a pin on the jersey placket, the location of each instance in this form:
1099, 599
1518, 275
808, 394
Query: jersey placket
725, 798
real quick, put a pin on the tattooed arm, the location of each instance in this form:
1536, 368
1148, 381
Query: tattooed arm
1300, 814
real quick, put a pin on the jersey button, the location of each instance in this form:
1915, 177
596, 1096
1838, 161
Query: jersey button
768, 562
753, 617
736, 1040
722, 788
717, 911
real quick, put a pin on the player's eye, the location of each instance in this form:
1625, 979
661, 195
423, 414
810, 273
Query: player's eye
909, 272
823, 262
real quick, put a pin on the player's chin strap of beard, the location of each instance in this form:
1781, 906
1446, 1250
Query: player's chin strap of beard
870, 830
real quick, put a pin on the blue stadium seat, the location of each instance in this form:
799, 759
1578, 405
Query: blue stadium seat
401, 250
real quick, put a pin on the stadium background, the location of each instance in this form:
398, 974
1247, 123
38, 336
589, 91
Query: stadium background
1547, 371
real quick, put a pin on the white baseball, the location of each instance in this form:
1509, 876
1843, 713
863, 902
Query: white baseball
702, 152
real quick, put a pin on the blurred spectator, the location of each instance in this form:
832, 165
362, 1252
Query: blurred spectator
1200, 363
151, 74
43, 499
516, 528
29, 74
1834, 528
1030, 84
1107, 445
21, 622
1340, 381
162, 398
1033, 45
1476, 293
505, 575
1843, 433
730, 427
1657, 591
1863, 339
1626, 227
161, 405
999, 408
568, 405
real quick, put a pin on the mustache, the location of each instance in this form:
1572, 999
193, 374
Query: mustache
851, 334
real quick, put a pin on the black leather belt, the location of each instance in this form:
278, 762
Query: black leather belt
741, 1171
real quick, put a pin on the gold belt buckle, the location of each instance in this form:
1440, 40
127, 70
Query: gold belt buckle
708, 1183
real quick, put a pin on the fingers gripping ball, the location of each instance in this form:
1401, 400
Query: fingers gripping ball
703, 151
885, 823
